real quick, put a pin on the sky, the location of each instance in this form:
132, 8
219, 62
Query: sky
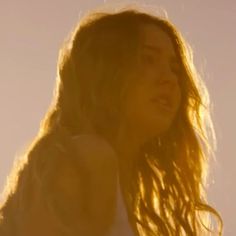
32, 32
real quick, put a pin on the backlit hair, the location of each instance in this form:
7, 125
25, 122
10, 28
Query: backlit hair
167, 195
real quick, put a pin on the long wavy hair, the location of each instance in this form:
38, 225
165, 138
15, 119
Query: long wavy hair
167, 194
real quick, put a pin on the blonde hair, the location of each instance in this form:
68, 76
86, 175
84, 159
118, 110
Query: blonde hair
168, 193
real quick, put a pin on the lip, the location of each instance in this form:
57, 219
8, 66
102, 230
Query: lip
165, 102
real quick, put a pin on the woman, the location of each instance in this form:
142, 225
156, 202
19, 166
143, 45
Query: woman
130, 114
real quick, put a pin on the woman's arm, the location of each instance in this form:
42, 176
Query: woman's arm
99, 158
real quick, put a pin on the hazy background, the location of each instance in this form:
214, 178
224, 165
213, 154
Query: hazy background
31, 33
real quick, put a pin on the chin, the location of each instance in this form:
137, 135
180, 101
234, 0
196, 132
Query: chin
161, 128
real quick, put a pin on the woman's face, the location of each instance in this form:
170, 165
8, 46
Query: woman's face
153, 95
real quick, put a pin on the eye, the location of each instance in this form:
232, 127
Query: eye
176, 70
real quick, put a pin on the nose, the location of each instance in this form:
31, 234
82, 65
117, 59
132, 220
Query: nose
167, 77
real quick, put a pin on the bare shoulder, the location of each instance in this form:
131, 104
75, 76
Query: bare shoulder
101, 162
99, 159
93, 149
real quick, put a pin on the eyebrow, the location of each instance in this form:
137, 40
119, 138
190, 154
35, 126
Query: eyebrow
158, 50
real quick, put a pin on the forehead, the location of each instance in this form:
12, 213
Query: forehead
154, 37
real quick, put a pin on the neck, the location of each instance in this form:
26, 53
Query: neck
127, 146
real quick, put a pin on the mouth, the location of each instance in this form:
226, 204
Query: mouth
164, 102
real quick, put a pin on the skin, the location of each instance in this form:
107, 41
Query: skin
142, 120
157, 74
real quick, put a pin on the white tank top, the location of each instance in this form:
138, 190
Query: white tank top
121, 224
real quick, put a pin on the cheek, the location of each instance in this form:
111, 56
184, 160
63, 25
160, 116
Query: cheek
137, 105
142, 114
